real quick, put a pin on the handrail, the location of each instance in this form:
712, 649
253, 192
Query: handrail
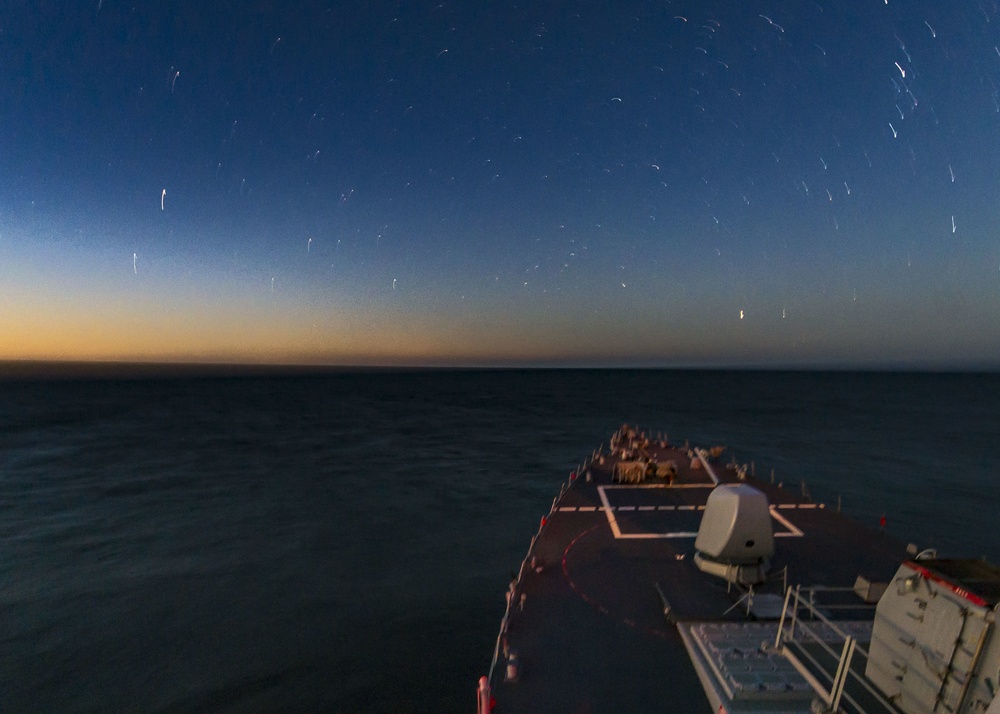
851, 647
564, 489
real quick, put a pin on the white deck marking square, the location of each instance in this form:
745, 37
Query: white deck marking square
791, 531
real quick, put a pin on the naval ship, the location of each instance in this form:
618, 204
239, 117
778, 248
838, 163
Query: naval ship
664, 580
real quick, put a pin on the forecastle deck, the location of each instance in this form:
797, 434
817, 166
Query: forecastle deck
592, 620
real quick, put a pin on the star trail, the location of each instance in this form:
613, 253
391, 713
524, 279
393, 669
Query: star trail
635, 183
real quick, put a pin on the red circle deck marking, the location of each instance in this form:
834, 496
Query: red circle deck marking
591, 601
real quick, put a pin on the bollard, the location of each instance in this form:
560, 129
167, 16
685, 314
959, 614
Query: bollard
512, 665
483, 696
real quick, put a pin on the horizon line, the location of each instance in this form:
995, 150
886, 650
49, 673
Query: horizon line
14, 370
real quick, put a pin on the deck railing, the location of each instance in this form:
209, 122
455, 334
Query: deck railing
814, 655
515, 584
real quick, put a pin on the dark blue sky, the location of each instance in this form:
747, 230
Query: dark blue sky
611, 183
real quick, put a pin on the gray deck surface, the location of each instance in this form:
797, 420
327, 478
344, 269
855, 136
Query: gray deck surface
592, 636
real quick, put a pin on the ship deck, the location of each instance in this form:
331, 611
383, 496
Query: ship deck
588, 616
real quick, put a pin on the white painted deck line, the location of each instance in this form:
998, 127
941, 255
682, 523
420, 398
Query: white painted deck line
591, 509
658, 485
793, 531
609, 512
708, 469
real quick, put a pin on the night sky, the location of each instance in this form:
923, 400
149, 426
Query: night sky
626, 183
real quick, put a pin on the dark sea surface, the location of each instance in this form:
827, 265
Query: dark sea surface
342, 542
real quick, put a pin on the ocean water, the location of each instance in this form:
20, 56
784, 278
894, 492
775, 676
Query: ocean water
342, 542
